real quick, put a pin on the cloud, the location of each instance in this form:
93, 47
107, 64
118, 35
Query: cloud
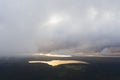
90, 25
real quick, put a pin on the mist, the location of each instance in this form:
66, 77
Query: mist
28, 26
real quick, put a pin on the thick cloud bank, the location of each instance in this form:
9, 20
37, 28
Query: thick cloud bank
47, 25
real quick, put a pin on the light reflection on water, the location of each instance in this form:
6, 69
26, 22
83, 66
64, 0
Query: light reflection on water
58, 62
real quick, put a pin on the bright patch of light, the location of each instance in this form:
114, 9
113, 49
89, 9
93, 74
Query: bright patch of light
51, 55
58, 62
55, 19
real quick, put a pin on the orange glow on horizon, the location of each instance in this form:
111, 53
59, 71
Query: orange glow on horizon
58, 62
51, 55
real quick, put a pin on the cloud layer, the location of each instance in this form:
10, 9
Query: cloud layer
47, 25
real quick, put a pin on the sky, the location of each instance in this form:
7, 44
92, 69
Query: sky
48, 25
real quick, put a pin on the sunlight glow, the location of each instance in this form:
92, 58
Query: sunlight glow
58, 62
51, 55
55, 19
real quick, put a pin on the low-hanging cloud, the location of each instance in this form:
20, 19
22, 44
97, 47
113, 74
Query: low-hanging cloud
48, 25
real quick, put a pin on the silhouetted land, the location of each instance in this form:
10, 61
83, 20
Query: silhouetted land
98, 69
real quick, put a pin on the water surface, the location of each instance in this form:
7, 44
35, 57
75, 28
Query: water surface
58, 62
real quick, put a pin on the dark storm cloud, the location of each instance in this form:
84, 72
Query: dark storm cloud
46, 25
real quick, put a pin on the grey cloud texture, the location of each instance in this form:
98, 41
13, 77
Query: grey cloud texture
46, 25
